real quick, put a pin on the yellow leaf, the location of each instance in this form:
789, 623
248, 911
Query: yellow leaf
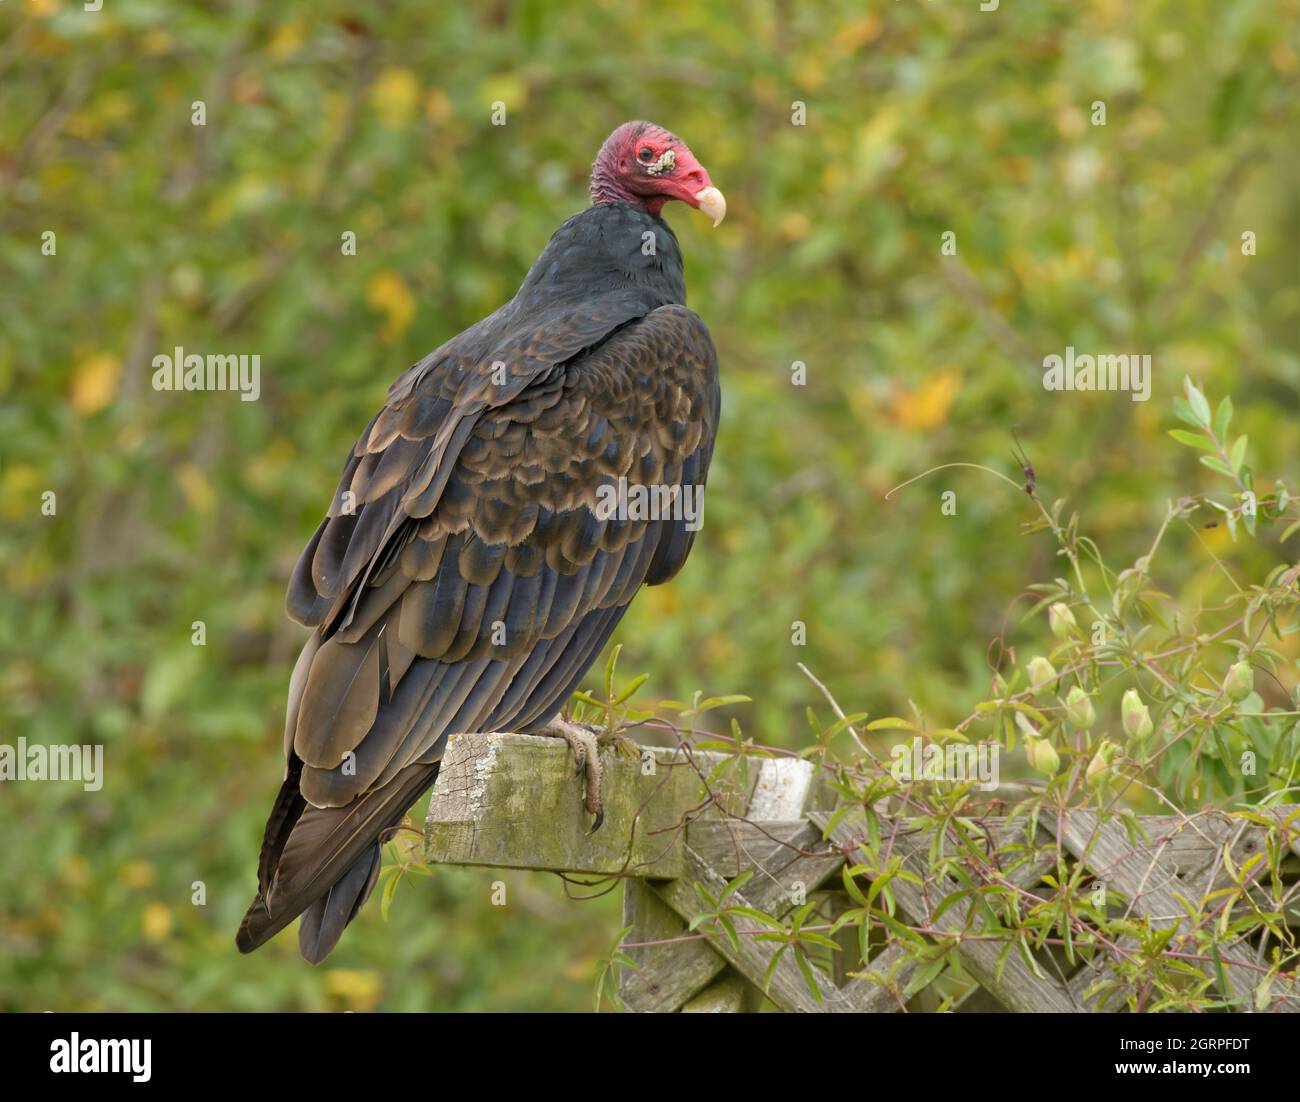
580, 969
394, 96
927, 406
1217, 539
138, 874
286, 40
810, 71
196, 487
20, 491
387, 293
354, 988
878, 132
156, 41
115, 106
75, 870
157, 921
854, 35
795, 225
506, 88
84, 125
832, 177
662, 600
94, 383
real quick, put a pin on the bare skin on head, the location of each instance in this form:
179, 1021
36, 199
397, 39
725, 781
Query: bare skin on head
646, 165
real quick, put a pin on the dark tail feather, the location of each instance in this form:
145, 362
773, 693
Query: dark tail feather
329, 857
323, 922
285, 813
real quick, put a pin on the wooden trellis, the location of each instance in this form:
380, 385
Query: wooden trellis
674, 819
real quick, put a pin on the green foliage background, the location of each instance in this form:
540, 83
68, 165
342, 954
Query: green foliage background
328, 117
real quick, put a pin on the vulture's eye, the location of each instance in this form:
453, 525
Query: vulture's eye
645, 153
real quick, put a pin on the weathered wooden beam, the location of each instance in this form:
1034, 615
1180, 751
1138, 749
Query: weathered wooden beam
788, 858
514, 801
667, 974
728, 994
787, 987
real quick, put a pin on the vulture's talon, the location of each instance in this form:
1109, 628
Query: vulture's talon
586, 753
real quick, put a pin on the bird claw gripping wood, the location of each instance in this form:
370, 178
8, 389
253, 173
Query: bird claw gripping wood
586, 753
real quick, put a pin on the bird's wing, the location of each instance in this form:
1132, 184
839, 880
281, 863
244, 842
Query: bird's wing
477, 578
399, 466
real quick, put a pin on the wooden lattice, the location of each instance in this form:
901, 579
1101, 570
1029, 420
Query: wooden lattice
676, 818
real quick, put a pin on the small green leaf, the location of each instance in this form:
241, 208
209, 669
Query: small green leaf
1185, 414
1264, 994
1195, 440
736, 884
1223, 418
924, 976
386, 899
610, 666
756, 916
809, 979
730, 928
721, 702
1196, 400
1218, 465
1238, 456
635, 684
771, 967
851, 886
948, 901
1218, 970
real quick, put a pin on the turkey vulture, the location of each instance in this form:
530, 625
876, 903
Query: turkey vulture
470, 569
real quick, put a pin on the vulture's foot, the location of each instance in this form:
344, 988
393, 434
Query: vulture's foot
586, 752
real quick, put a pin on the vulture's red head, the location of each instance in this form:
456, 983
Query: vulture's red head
646, 165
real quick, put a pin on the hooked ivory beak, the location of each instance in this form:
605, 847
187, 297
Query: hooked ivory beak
713, 203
